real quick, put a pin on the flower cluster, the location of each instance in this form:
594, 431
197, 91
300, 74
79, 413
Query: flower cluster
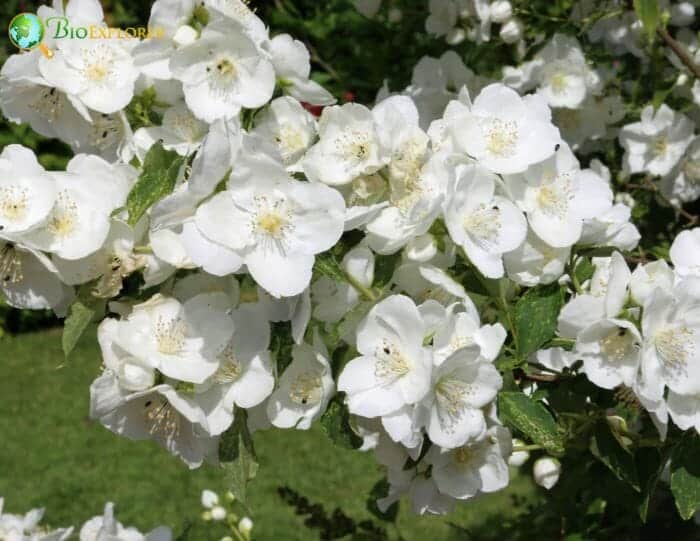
26, 528
254, 265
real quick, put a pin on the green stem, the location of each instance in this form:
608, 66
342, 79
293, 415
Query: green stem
361, 288
525, 448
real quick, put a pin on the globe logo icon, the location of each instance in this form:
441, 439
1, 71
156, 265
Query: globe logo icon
26, 31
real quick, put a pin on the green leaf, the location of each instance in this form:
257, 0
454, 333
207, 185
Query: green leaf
649, 13
535, 318
336, 424
384, 266
237, 455
685, 475
160, 171
381, 490
650, 466
607, 449
327, 265
532, 419
74, 326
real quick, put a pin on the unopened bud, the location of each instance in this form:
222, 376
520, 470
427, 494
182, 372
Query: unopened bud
546, 471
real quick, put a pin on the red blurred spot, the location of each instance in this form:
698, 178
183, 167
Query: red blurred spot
315, 110
348, 96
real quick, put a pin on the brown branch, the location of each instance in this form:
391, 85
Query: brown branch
680, 51
649, 186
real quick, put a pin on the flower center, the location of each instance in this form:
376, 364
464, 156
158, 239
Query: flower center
618, 344
290, 141
98, 62
484, 223
14, 202
463, 455
553, 197
451, 396
353, 145
162, 417
558, 82
307, 389
674, 346
170, 335
391, 362
501, 137
660, 145
230, 369
64, 219
49, 104
10, 266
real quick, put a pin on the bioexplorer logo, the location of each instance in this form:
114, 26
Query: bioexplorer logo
27, 32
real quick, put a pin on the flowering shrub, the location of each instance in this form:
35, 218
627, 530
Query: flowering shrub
480, 255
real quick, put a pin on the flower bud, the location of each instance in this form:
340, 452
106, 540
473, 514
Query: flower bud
185, 35
395, 15
230, 497
546, 471
518, 458
209, 499
245, 525
218, 513
511, 31
501, 11
456, 36
682, 13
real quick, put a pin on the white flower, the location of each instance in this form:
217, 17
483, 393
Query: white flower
153, 414
611, 352
276, 225
107, 527
180, 131
348, 146
511, 31
442, 18
557, 197
97, 73
561, 74
535, 262
472, 469
181, 341
682, 184
209, 499
501, 11
244, 376
394, 367
86, 195
518, 458
222, 72
590, 121
656, 143
304, 389
368, 8
647, 277
26, 527
462, 385
606, 299
290, 127
245, 526
218, 513
685, 253
29, 280
546, 471
504, 132
484, 224
27, 192
335, 299
292, 66
671, 329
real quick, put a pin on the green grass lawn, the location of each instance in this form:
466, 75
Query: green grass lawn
52, 455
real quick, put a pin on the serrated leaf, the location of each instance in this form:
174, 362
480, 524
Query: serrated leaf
381, 490
535, 318
335, 422
685, 475
157, 179
74, 326
607, 449
237, 455
532, 419
649, 13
